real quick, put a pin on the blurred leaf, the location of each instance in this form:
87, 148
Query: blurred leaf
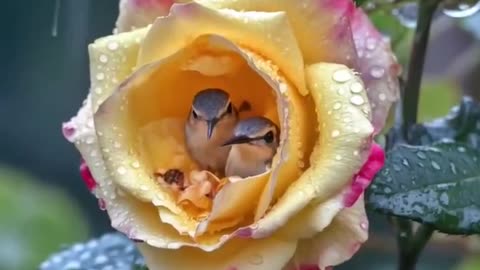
111, 251
462, 124
436, 185
436, 99
400, 36
471, 263
36, 220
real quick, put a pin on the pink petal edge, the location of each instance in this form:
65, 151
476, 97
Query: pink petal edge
87, 176
364, 177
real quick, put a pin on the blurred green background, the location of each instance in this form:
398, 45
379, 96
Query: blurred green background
44, 203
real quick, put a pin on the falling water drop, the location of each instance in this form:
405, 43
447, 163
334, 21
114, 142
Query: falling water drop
461, 9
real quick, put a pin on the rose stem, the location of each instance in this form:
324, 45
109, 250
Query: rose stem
410, 246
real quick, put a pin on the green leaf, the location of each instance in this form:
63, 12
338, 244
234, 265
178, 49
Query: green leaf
111, 251
462, 124
35, 219
436, 185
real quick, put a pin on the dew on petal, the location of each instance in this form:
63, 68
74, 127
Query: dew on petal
342, 75
256, 259
338, 157
121, 170
357, 100
335, 133
113, 45
337, 106
421, 155
356, 87
135, 164
382, 96
98, 90
377, 72
371, 43
103, 58
100, 76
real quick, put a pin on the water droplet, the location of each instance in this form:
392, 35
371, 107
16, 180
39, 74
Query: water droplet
396, 167
100, 76
338, 157
117, 145
364, 225
407, 14
371, 43
341, 91
405, 163
136, 164
256, 259
461, 10
144, 187
382, 97
121, 170
335, 133
342, 75
113, 45
98, 90
103, 58
377, 72
337, 105
387, 190
461, 149
435, 165
444, 198
357, 100
356, 87
90, 140
388, 179
453, 168
355, 153
421, 155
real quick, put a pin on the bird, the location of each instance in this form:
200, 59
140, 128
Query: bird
252, 147
210, 123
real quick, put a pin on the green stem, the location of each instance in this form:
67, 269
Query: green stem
410, 246
410, 256
411, 92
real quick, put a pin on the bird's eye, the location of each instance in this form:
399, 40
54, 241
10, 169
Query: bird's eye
195, 115
229, 108
268, 137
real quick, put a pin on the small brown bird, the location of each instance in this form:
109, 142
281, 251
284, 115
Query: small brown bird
210, 123
253, 146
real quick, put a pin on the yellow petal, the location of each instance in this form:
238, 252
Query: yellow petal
140, 13
266, 33
270, 253
344, 120
337, 243
112, 60
321, 27
141, 123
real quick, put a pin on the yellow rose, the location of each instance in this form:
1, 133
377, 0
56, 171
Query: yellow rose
317, 68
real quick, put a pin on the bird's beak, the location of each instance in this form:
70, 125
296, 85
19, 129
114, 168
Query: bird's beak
210, 126
237, 140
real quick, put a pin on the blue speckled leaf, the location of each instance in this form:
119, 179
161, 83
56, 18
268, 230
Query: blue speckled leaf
437, 185
112, 251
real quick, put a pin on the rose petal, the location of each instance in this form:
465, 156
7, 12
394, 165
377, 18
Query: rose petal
112, 59
337, 243
321, 27
378, 67
270, 253
345, 130
267, 33
140, 13
363, 178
